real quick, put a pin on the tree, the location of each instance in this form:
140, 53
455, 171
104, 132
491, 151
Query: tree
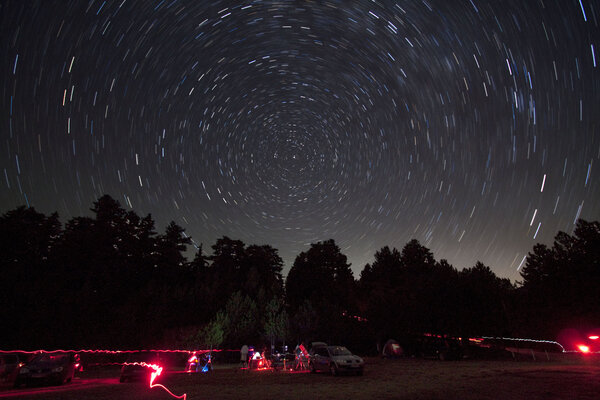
409, 293
261, 269
540, 266
445, 315
305, 322
105, 263
27, 239
571, 268
200, 263
242, 324
171, 245
385, 268
415, 289
213, 333
199, 307
275, 325
226, 270
416, 257
483, 301
322, 276
379, 285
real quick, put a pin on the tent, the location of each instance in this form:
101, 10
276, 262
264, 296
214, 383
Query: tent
392, 349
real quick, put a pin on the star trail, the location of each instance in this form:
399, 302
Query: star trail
470, 125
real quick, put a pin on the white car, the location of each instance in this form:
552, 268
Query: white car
336, 360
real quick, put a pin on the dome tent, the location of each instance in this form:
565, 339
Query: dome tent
392, 349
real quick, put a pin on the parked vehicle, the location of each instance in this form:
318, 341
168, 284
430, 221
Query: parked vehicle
440, 348
335, 360
48, 368
314, 346
9, 364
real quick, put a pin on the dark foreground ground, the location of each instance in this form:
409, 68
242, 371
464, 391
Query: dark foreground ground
572, 378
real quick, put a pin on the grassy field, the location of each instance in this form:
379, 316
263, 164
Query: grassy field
383, 379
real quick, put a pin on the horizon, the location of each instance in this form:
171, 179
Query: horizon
289, 261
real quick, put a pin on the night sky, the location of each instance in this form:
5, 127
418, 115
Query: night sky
470, 125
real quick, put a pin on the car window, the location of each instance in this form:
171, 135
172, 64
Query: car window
44, 358
322, 352
339, 351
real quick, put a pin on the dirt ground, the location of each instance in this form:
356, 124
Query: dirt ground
573, 378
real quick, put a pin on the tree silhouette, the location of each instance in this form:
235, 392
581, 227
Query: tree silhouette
379, 285
199, 301
225, 270
171, 245
415, 288
416, 258
560, 284
261, 269
322, 276
111, 281
27, 239
483, 305
408, 293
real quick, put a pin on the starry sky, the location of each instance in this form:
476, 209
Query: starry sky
470, 125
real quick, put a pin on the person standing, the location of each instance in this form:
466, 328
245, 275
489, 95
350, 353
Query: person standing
244, 356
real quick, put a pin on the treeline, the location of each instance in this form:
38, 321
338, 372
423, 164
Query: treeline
112, 281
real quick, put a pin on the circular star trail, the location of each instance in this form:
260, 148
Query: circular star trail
469, 125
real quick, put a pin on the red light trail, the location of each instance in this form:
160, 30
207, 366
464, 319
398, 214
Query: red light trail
157, 371
109, 351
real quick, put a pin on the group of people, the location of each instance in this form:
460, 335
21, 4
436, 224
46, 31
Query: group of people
252, 359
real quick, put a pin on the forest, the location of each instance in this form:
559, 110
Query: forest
111, 281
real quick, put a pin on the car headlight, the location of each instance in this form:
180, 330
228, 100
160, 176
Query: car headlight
57, 369
24, 370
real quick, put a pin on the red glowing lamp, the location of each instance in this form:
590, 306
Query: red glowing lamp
583, 348
593, 337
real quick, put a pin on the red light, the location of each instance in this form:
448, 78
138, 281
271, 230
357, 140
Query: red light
593, 337
157, 371
583, 348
